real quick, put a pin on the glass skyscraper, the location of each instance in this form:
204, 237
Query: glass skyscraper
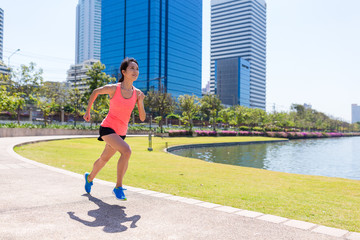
355, 113
233, 81
164, 36
88, 30
238, 29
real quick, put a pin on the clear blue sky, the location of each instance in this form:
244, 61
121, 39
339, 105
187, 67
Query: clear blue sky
313, 50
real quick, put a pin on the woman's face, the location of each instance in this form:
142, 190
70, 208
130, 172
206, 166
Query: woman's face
131, 72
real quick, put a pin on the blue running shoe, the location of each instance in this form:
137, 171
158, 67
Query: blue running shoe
119, 193
87, 183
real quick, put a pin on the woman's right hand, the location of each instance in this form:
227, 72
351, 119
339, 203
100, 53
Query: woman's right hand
87, 116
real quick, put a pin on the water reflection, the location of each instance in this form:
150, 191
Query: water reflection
333, 157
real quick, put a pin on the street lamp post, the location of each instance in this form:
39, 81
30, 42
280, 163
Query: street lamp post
150, 136
17, 50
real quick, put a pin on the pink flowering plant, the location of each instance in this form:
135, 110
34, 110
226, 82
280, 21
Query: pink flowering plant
257, 133
244, 133
179, 133
227, 133
205, 133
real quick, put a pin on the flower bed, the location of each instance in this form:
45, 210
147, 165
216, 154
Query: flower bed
257, 133
289, 135
205, 133
244, 133
179, 133
227, 133
302, 135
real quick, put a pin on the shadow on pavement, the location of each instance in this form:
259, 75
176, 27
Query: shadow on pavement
110, 216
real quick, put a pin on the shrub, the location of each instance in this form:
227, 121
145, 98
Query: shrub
205, 133
244, 133
227, 133
244, 128
179, 133
273, 129
259, 129
281, 134
270, 134
139, 128
257, 133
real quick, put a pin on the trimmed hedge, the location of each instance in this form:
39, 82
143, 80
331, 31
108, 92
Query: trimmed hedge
179, 133
205, 133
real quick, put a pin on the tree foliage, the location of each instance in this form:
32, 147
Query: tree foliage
210, 107
189, 106
161, 103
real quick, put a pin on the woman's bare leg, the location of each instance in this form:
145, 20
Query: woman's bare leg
117, 143
100, 163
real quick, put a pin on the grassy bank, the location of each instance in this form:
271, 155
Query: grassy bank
333, 202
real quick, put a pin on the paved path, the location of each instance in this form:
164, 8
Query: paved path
42, 202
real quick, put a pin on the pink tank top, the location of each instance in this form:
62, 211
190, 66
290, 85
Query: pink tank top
120, 112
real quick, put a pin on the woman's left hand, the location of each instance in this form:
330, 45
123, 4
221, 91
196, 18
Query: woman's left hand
140, 96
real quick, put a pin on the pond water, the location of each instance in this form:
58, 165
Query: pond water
332, 157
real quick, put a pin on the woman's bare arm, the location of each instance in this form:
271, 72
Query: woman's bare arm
140, 103
107, 89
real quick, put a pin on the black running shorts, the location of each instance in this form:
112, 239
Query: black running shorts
106, 131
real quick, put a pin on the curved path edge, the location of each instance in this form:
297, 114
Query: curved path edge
223, 144
295, 224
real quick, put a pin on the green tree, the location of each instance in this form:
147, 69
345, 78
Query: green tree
25, 83
74, 105
15, 104
50, 98
10, 102
210, 107
227, 116
257, 116
47, 107
4, 99
160, 103
242, 115
189, 106
27, 79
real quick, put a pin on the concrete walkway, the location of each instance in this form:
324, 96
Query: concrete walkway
42, 202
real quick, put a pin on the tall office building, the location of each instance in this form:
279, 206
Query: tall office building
88, 30
164, 36
1, 32
233, 81
355, 113
238, 30
76, 75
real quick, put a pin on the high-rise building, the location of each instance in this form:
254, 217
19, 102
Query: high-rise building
164, 36
233, 81
355, 113
206, 89
88, 30
76, 75
238, 29
1, 32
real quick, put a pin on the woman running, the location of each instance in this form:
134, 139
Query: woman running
113, 128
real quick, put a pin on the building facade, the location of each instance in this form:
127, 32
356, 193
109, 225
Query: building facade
4, 70
88, 30
355, 113
164, 36
233, 81
76, 75
238, 29
1, 32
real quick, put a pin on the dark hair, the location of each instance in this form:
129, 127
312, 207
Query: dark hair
125, 63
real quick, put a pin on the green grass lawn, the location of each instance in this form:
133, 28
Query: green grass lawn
333, 202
